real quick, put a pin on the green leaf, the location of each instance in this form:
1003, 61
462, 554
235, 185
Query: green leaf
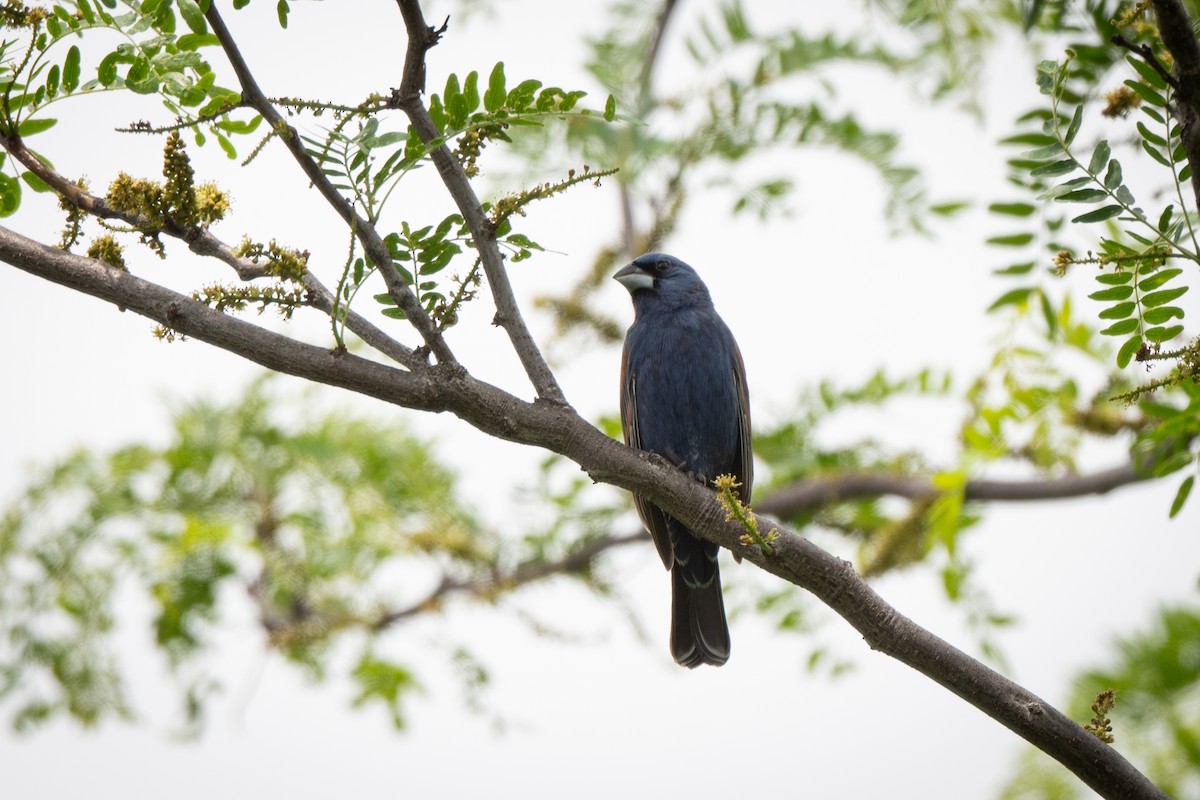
1048, 313
34, 182
1023, 268
1127, 351
1099, 157
1173, 463
1119, 311
1054, 168
1150, 136
1162, 298
1164, 219
1114, 278
1158, 279
1113, 178
1157, 156
71, 70
1042, 153
281, 11
227, 146
1147, 72
1082, 196
1011, 297
1099, 214
1154, 115
1181, 495
1073, 127
10, 195
1147, 94
190, 42
1011, 240
610, 109
193, 16
31, 126
1163, 334
494, 97
1157, 316
107, 71
470, 92
1114, 293
1121, 328
1012, 209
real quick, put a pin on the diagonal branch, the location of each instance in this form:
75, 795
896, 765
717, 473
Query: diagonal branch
366, 234
447, 387
421, 37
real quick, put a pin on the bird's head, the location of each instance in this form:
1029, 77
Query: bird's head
662, 276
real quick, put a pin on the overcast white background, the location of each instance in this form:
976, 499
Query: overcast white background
826, 294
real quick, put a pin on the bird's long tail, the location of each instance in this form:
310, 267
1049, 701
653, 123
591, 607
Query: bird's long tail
699, 632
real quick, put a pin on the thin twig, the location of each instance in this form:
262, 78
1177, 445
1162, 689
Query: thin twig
201, 241
489, 585
1148, 56
373, 245
655, 47
421, 37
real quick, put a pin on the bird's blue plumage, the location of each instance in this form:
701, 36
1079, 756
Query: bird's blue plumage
683, 396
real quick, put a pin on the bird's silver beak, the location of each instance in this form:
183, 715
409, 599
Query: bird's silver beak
633, 278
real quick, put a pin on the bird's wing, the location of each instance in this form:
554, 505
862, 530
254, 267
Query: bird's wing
654, 519
744, 469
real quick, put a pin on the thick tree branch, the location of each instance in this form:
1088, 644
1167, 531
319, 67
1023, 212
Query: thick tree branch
1175, 29
421, 37
557, 428
368, 237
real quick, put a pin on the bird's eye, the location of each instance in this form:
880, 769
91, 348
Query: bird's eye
661, 266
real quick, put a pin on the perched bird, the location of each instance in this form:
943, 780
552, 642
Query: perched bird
683, 396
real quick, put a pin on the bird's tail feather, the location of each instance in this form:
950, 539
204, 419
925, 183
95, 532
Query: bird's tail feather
699, 632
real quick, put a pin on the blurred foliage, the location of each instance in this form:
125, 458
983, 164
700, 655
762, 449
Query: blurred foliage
293, 523
754, 95
1155, 676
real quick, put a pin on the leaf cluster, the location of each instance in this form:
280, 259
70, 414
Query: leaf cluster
1138, 259
301, 518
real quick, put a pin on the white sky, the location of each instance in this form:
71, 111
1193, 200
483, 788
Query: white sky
608, 713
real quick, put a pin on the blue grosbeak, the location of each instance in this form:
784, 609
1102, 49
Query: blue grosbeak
683, 396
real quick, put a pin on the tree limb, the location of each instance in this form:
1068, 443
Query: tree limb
364, 231
810, 493
447, 387
1175, 29
421, 37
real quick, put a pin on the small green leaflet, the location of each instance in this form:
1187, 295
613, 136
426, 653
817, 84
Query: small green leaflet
1181, 495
